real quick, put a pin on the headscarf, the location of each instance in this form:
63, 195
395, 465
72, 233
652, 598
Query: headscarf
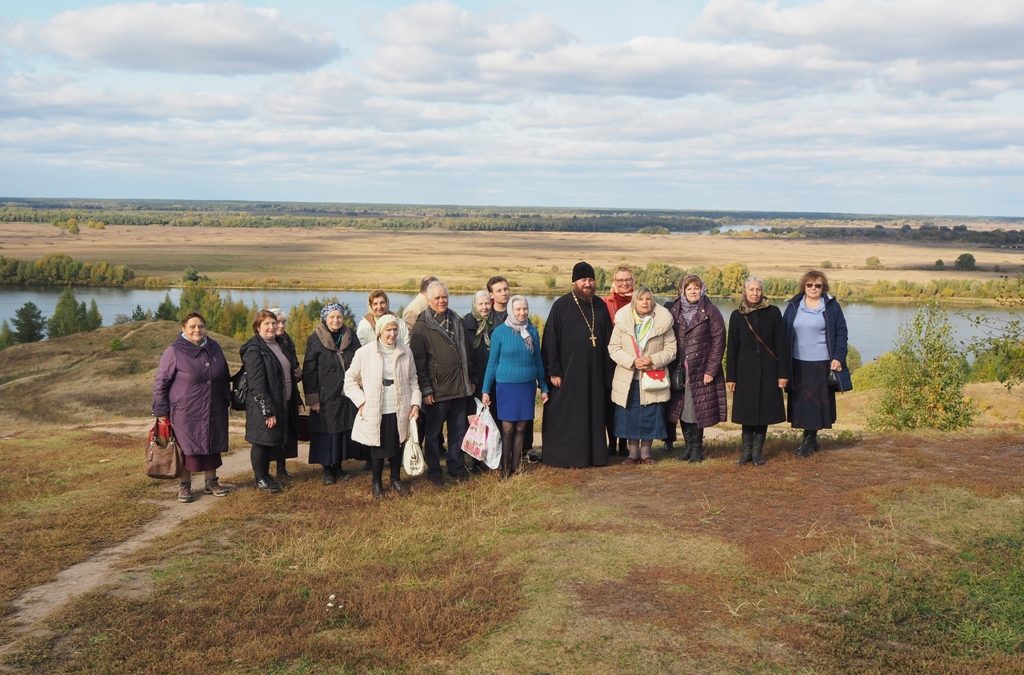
382, 323
330, 307
483, 324
688, 309
517, 327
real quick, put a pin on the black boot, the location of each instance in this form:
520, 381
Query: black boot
697, 454
758, 448
687, 443
327, 476
812, 441
805, 448
282, 470
378, 488
400, 488
748, 441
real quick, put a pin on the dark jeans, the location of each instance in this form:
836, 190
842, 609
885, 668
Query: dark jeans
453, 413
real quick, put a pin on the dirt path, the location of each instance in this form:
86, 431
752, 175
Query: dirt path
35, 605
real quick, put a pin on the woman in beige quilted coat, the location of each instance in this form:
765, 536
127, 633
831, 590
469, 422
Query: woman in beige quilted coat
643, 343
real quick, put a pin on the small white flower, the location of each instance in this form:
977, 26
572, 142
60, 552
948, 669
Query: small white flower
331, 597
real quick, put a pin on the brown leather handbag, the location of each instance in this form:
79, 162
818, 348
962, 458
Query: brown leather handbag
163, 456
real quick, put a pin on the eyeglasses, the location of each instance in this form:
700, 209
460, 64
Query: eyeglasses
814, 285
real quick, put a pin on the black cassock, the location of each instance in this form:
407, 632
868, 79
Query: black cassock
574, 416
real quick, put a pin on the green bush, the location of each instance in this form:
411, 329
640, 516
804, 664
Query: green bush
923, 382
870, 375
965, 261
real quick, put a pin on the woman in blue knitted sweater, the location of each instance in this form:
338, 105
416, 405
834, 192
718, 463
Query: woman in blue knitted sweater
515, 364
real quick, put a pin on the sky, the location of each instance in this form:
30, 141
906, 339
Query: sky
863, 106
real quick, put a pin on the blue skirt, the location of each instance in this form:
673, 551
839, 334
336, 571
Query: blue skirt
639, 422
516, 400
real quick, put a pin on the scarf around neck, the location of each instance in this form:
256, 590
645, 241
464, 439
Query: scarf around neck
483, 330
687, 309
746, 308
643, 328
522, 329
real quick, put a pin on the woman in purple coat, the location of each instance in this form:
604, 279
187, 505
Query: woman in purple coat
191, 389
700, 336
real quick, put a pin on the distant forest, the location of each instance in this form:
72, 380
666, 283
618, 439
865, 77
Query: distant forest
73, 214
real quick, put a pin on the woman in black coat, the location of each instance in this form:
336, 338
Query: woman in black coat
272, 399
757, 366
290, 449
329, 353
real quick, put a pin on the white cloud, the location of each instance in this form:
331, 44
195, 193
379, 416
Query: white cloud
873, 29
223, 38
741, 48
63, 97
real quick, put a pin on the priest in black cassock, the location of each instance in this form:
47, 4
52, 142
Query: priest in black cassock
575, 351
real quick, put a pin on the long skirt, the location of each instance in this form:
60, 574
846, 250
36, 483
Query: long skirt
639, 422
516, 401
812, 405
329, 449
197, 463
390, 443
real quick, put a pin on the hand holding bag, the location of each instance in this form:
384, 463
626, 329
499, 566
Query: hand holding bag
651, 380
163, 456
840, 380
412, 453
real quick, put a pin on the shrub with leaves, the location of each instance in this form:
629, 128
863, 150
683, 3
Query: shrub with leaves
923, 382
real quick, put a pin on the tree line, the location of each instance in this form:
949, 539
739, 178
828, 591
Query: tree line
59, 269
69, 317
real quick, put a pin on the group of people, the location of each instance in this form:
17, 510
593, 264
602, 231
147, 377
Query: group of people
614, 374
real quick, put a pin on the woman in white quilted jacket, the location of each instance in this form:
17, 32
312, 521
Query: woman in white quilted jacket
382, 383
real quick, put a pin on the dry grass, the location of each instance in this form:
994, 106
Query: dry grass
66, 495
895, 553
345, 258
82, 379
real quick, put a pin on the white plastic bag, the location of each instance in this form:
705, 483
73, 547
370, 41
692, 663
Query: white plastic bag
412, 454
493, 457
483, 440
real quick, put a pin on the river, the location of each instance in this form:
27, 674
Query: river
873, 327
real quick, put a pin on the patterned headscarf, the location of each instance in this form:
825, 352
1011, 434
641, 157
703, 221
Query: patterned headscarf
328, 308
483, 323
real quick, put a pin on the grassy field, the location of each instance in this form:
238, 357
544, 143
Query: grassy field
883, 553
348, 258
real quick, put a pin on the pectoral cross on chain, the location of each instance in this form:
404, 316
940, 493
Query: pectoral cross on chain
593, 341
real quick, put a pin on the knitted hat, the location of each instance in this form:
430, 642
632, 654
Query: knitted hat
582, 270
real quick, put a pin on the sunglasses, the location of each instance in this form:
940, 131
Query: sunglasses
814, 285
